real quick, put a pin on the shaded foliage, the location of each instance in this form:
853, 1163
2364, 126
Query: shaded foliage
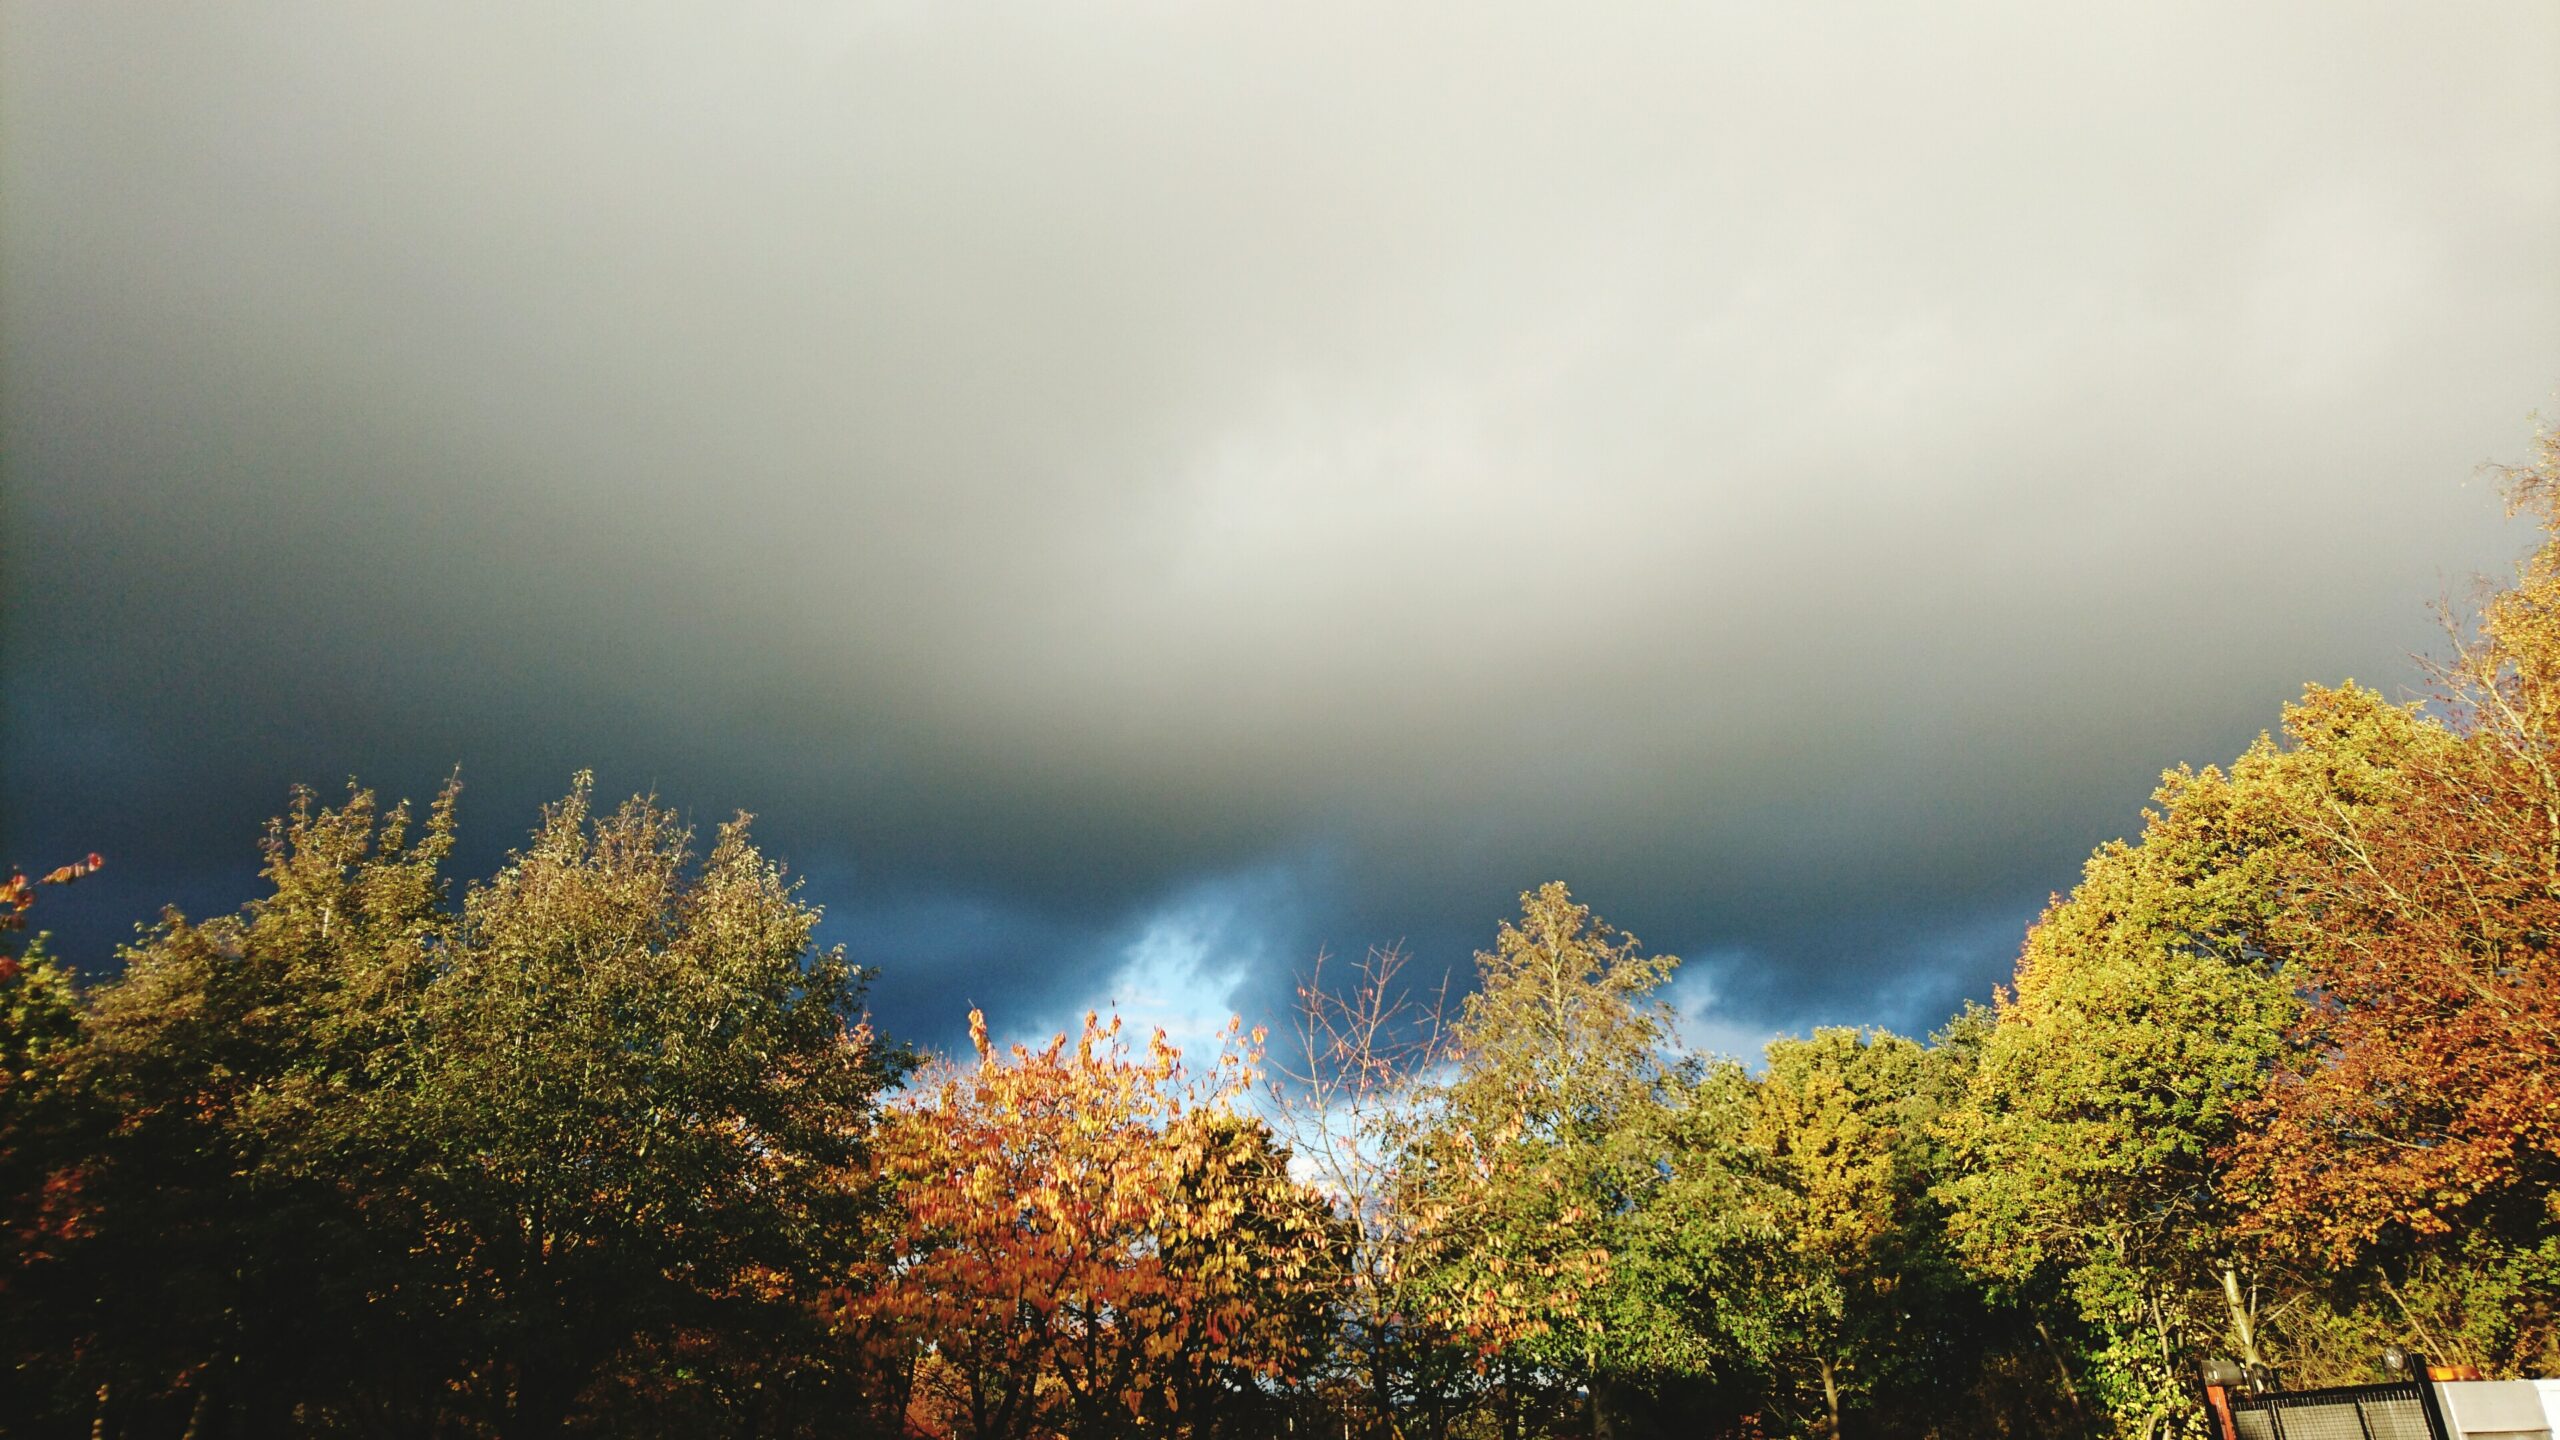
359, 1157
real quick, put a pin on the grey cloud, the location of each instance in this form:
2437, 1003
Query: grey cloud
1795, 472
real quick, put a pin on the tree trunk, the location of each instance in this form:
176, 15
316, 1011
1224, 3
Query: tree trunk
1831, 1396
2244, 1327
2070, 1391
1381, 1381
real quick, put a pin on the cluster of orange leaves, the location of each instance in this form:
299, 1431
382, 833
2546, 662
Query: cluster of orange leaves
2427, 1072
17, 896
1086, 1235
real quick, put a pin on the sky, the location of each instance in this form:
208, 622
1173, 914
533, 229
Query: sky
1132, 495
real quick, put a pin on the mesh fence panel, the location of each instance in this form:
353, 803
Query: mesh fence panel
2361, 1412
2398, 1418
2321, 1422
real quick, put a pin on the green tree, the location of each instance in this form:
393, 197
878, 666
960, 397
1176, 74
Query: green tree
1835, 1115
2150, 1008
231, 1275
1873, 1326
645, 1091
46, 1134
590, 1139
1705, 1259
1543, 1148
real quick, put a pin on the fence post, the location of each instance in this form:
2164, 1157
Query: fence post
2219, 1378
2437, 1425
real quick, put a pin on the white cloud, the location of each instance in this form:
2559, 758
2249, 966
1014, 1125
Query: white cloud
1703, 1029
1182, 964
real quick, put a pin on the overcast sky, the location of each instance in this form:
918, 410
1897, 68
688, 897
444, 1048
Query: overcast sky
1131, 494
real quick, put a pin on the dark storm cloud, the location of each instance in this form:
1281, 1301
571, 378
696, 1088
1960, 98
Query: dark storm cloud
1131, 494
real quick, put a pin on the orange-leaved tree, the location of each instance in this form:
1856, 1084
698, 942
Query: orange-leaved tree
1094, 1241
2420, 1103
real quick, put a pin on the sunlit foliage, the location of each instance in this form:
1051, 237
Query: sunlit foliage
1092, 1241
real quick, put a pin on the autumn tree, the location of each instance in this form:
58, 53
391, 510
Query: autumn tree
1256, 1261
2415, 1120
1095, 1242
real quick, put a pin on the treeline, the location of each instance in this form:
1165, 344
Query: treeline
603, 1144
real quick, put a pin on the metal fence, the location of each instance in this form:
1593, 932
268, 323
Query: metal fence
2402, 1410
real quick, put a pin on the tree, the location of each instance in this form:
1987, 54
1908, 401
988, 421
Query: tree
1256, 1259
647, 1094
379, 1160
228, 1266
1347, 1100
1837, 1115
2150, 1009
1703, 1264
45, 1134
2416, 1115
1094, 1242
1542, 1148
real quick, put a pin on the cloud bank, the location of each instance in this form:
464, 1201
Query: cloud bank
1794, 473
